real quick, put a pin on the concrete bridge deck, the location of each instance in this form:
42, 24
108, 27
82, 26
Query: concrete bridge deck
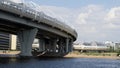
54, 36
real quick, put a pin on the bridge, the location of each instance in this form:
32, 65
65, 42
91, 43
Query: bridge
55, 37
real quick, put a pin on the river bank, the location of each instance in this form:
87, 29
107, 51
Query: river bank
73, 55
9, 52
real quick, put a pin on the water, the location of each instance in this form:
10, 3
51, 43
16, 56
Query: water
59, 63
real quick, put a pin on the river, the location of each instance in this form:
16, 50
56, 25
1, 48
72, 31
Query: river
59, 63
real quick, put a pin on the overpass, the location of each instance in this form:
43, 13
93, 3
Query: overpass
55, 37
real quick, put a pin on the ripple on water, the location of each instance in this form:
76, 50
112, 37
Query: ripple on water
58, 63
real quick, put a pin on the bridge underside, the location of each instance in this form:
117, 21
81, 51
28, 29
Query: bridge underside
50, 44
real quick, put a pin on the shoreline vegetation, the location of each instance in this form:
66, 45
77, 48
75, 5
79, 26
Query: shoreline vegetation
93, 55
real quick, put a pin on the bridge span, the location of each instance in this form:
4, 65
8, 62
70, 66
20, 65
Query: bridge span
55, 37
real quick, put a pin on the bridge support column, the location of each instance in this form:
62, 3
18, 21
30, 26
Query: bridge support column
61, 46
53, 44
67, 45
71, 45
41, 44
26, 38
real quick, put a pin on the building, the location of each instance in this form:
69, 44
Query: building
93, 46
112, 45
11, 42
117, 46
7, 41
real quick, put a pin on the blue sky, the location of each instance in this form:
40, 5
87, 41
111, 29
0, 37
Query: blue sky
94, 20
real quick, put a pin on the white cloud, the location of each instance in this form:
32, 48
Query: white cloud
65, 15
90, 21
112, 19
113, 14
82, 18
90, 14
111, 26
17, 1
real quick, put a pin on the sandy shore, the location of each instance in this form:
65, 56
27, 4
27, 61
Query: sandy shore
91, 56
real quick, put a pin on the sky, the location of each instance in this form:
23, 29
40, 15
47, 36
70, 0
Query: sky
94, 20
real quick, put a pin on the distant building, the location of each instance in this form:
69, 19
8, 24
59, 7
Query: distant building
93, 46
11, 42
111, 45
4, 41
7, 41
117, 46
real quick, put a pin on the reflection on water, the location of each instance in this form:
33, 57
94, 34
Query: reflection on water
58, 63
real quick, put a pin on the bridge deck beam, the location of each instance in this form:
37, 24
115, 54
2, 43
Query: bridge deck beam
26, 38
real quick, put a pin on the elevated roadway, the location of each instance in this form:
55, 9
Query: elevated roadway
55, 37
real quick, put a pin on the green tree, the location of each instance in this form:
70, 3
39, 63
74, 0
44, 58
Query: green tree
111, 49
118, 51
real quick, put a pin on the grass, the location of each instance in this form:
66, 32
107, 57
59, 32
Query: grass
95, 53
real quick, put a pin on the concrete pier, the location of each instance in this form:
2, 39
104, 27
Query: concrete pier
66, 45
26, 38
71, 45
41, 44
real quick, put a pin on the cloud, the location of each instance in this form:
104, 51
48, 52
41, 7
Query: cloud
90, 14
92, 22
82, 18
65, 15
113, 14
112, 19
17, 1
